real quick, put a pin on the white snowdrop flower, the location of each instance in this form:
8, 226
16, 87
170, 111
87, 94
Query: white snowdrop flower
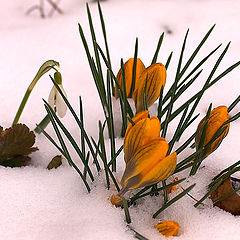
55, 100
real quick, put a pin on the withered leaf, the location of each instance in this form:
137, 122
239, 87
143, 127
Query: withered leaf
230, 204
18, 161
15, 143
55, 162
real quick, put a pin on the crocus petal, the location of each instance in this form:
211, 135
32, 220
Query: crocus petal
217, 117
52, 96
168, 228
128, 68
141, 133
149, 165
61, 106
141, 115
156, 75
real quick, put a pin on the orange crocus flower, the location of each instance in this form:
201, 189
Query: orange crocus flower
217, 117
128, 68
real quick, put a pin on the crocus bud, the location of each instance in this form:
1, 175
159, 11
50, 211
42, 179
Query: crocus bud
168, 228
156, 79
116, 200
128, 68
217, 117
145, 130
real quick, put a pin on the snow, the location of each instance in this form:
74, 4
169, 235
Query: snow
38, 204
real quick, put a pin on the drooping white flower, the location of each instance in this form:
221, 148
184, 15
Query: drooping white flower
55, 99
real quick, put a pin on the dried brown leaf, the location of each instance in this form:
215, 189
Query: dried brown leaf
230, 204
15, 144
55, 162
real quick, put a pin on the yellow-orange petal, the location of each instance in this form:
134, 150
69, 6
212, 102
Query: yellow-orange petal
128, 68
172, 188
141, 133
149, 165
217, 117
141, 115
156, 75
168, 228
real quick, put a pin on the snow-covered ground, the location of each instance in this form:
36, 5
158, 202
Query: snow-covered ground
37, 204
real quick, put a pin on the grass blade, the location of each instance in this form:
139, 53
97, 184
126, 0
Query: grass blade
169, 203
158, 48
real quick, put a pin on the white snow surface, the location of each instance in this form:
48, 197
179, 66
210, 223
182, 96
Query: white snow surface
38, 204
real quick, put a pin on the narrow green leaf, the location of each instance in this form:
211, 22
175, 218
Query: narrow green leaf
95, 48
159, 115
134, 68
169, 203
70, 138
145, 94
126, 210
79, 123
63, 145
168, 60
158, 48
207, 194
226, 196
111, 122
233, 104
196, 51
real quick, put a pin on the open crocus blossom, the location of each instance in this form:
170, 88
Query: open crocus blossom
156, 79
217, 117
145, 154
168, 228
128, 69
55, 100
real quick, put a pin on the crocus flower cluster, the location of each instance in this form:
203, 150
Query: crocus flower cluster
156, 79
145, 154
217, 117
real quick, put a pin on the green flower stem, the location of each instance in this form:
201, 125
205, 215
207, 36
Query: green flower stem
48, 65
42, 124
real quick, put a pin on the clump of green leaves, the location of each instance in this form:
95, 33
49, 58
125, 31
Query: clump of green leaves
15, 145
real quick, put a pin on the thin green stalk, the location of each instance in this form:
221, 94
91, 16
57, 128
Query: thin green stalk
234, 103
79, 123
227, 169
105, 41
126, 210
226, 196
169, 203
134, 68
208, 194
42, 125
159, 115
52, 141
70, 138
181, 108
145, 107
67, 155
168, 60
174, 138
111, 123
158, 48
81, 119
99, 68
48, 65
165, 194
196, 51
152, 192
138, 235
103, 151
